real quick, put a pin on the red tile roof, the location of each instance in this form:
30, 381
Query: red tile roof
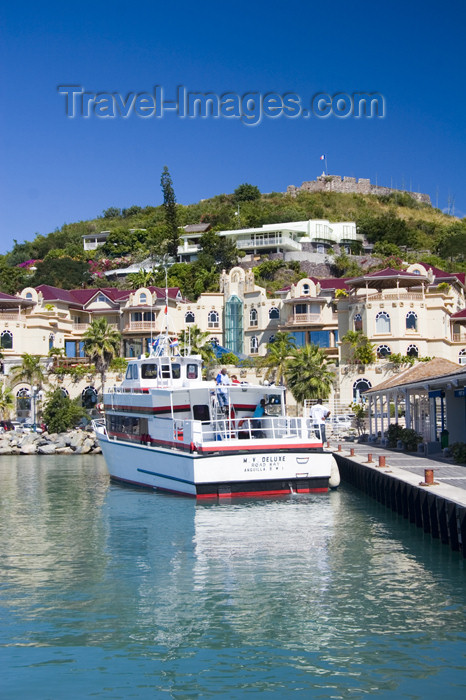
459, 314
81, 297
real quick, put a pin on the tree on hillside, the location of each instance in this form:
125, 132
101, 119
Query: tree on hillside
169, 206
217, 252
278, 353
307, 374
142, 278
62, 272
12, 279
101, 344
246, 193
31, 371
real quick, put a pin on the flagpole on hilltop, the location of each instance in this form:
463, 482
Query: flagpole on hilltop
324, 158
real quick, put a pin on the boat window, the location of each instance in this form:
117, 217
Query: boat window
274, 400
191, 371
201, 412
129, 372
165, 372
149, 371
176, 371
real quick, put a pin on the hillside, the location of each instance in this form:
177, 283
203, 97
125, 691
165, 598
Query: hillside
396, 224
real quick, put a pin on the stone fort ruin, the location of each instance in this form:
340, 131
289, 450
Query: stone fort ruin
336, 183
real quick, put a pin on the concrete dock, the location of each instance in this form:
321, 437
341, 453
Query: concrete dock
402, 485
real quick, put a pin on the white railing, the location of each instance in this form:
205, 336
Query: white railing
140, 326
303, 318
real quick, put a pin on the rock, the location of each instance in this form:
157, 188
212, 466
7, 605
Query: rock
63, 451
77, 440
97, 451
28, 449
87, 446
5, 450
48, 449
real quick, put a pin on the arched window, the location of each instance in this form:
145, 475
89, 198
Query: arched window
51, 340
64, 391
462, 357
23, 402
412, 351
359, 386
272, 338
416, 272
274, 313
189, 317
253, 319
6, 340
214, 341
89, 397
143, 298
213, 320
382, 322
357, 322
29, 295
411, 321
254, 345
383, 351
306, 290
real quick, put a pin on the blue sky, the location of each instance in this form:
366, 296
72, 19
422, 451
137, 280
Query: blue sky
54, 169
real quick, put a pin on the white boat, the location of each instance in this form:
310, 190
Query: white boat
164, 428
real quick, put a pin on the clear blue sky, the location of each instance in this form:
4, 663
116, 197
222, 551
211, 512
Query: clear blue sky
56, 170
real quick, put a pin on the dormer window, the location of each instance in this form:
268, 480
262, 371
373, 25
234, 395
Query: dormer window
306, 290
29, 295
143, 298
102, 298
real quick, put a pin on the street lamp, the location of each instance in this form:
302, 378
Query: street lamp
35, 394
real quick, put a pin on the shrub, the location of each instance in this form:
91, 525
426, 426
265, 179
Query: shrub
411, 439
458, 450
60, 412
394, 433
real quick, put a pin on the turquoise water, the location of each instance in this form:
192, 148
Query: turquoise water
112, 592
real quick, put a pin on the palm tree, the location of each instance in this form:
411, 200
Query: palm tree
142, 278
278, 354
7, 401
30, 371
101, 344
307, 374
197, 341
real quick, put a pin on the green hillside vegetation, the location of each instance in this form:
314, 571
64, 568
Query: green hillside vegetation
400, 228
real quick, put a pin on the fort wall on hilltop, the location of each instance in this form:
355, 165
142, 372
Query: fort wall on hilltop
336, 183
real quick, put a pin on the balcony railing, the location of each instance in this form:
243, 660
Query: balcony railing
140, 326
303, 318
459, 337
267, 241
401, 296
10, 317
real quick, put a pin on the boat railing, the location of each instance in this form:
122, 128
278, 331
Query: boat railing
270, 428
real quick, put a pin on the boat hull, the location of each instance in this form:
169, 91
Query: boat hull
217, 475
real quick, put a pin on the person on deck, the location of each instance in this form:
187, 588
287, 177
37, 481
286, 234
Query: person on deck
223, 381
259, 412
319, 413
234, 379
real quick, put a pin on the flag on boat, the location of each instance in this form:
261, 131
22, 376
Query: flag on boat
322, 157
166, 310
174, 343
155, 344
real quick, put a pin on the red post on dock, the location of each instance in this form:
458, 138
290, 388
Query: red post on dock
369, 457
382, 461
351, 451
429, 476
339, 448
328, 444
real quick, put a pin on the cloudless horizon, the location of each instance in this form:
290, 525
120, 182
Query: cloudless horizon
55, 169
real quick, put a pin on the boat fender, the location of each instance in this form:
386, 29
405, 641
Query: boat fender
334, 480
192, 447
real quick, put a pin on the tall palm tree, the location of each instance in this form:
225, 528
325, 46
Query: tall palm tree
101, 344
7, 401
278, 354
30, 371
197, 341
307, 374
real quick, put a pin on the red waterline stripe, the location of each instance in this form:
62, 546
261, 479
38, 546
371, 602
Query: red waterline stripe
281, 492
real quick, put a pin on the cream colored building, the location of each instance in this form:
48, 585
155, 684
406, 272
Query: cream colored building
419, 312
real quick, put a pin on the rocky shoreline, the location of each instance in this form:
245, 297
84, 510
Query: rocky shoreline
77, 442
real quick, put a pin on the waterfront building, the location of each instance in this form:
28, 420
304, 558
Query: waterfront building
416, 313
